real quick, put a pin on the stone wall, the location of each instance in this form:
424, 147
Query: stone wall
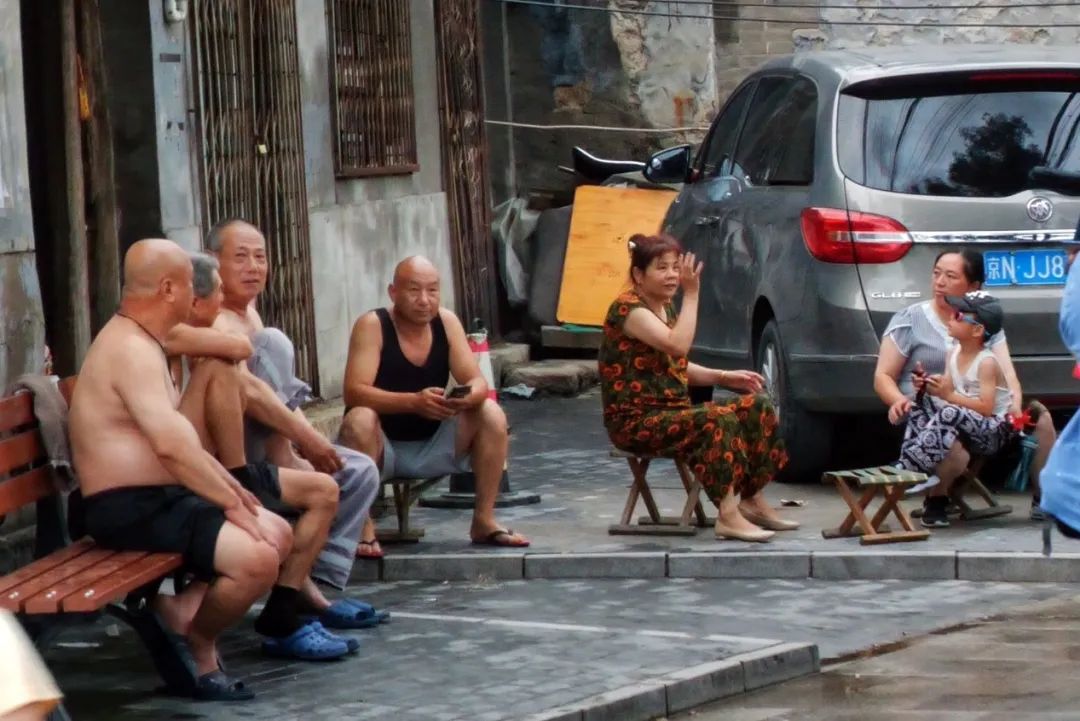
569, 66
1045, 20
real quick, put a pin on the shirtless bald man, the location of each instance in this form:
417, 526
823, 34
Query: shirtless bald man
400, 361
148, 483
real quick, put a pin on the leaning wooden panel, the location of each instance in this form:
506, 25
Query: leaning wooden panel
597, 261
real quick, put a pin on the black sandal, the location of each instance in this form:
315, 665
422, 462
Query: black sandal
216, 686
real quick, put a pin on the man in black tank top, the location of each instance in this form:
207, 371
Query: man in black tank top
399, 410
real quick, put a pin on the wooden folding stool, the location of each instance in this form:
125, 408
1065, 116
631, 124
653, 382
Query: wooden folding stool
891, 483
693, 514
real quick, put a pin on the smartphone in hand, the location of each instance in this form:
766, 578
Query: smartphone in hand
459, 392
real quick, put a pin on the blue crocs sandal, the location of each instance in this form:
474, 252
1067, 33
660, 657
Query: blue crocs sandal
350, 641
345, 614
307, 643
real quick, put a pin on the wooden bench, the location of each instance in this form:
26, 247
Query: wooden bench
405, 493
890, 483
76, 582
687, 524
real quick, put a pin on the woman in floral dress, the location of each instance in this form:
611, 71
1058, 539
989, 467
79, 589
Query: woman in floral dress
733, 449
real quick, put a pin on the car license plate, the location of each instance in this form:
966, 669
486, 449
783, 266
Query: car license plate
1024, 267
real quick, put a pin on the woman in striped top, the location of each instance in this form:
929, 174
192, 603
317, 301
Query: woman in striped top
917, 341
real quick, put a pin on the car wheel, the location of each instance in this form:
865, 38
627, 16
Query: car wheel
807, 436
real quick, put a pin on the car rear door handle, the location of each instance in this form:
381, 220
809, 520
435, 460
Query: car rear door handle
707, 220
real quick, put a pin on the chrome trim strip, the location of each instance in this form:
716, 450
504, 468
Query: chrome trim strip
994, 236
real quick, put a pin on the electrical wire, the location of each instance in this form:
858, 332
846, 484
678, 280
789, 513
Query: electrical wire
869, 6
788, 21
534, 126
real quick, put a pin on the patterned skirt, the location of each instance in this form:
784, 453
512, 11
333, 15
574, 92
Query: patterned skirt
732, 447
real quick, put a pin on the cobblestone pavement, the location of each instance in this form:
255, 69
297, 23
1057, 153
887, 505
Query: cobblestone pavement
1018, 668
559, 449
501, 651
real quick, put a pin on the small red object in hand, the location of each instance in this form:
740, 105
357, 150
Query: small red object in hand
1022, 421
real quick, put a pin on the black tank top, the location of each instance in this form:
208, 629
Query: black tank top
397, 374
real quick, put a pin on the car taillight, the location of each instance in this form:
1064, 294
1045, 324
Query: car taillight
839, 236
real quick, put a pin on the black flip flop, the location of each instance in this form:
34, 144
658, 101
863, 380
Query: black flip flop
216, 686
490, 539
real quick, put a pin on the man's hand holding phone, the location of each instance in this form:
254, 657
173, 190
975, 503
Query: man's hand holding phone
460, 398
432, 403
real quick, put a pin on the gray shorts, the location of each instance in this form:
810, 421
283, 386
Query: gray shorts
425, 459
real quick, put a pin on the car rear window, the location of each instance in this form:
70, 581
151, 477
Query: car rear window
976, 136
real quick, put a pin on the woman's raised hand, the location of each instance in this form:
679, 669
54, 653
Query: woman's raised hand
690, 273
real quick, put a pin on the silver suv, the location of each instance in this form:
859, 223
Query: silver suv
830, 181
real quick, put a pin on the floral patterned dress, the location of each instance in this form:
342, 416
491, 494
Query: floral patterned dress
645, 392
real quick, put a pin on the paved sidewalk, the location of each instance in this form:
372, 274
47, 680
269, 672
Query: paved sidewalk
626, 650
559, 449
1017, 668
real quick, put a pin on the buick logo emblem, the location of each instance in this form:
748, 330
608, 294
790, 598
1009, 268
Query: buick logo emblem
1040, 209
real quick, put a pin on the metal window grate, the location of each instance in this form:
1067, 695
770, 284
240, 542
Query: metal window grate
248, 101
371, 87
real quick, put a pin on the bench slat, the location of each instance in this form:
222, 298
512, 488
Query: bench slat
47, 598
14, 598
40, 566
25, 488
16, 411
121, 582
21, 450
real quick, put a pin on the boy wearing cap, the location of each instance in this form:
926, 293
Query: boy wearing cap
970, 402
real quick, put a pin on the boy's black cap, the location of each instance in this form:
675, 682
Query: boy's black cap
985, 307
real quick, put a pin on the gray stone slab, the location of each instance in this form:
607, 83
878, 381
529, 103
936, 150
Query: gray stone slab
881, 565
596, 565
701, 684
366, 571
557, 714
740, 564
453, 567
1018, 567
636, 702
778, 663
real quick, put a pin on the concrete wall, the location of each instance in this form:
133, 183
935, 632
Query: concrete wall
361, 228
22, 326
177, 149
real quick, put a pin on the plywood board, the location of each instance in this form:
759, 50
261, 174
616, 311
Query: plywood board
597, 261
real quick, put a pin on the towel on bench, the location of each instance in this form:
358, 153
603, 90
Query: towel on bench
51, 411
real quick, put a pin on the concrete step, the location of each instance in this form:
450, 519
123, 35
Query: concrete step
554, 377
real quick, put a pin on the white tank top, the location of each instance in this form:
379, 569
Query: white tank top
967, 384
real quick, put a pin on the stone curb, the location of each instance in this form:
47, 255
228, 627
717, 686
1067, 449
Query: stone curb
691, 687
870, 565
